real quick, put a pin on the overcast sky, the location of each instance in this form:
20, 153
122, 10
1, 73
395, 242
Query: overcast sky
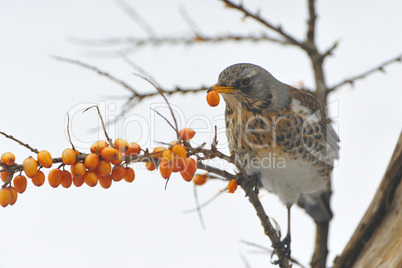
141, 224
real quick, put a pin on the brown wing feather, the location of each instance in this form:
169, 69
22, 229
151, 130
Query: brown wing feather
307, 100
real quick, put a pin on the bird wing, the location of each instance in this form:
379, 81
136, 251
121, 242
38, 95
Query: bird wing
307, 100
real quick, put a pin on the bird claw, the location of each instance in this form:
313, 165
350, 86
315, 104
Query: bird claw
283, 247
253, 184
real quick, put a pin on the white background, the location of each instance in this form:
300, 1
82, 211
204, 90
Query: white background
141, 224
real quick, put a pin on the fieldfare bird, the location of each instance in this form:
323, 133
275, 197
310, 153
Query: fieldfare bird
280, 136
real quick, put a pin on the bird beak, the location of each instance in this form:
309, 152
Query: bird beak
220, 89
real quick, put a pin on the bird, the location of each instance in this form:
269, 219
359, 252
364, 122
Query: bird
281, 136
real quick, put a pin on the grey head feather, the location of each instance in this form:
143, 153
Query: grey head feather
254, 84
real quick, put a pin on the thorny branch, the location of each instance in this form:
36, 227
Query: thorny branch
136, 96
278, 29
26, 145
379, 68
136, 42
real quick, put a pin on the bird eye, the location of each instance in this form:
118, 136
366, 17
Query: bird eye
245, 81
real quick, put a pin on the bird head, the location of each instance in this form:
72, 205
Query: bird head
253, 86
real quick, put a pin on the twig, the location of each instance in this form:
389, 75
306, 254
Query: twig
92, 68
139, 68
134, 16
190, 22
170, 124
198, 208
206, 203
166, 100
68, 131
353, 79
136, 42
278, 29
26, 145
109, 140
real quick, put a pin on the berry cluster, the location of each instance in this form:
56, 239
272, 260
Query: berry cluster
104, 164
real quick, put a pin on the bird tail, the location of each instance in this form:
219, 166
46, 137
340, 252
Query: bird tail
317, 204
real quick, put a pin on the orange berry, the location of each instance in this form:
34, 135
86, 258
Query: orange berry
118, 173
54, 178
92, 161
200, 179
165, 168
119, 160
14, 195
232, 186
69, 156
179, 150
157, 152
30, 167
105, 181
98, 146
177, 164
190, 166
8, 158
121, 145
213, 98
4, 175
66, 179
186, 176
20, 183
130, 175
91, 179
167, 155
104, 168
133, 149
78, 181
5, 197
110, 154
78, 170
186, 134
38, 179
45, 159
150, 166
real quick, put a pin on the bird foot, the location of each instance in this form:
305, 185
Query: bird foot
282, 249
253, 184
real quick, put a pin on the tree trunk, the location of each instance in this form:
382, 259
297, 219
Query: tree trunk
377, 241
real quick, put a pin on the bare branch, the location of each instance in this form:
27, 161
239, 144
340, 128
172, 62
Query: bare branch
26, 145
134, 16
139, 69
109, 140
135, 42
278, 29
166, 100
170, 124
136, 96
92, 68
190, 22
198, 208
68, 131
353, 79
207, 202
